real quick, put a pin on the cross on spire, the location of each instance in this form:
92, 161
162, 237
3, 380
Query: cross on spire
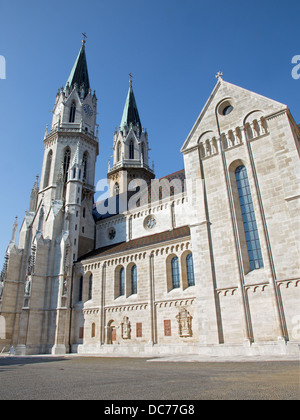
219, 75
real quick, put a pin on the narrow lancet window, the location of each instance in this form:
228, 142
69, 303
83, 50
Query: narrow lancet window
80, 289
90, 292
72, 112
131, 150
67, 158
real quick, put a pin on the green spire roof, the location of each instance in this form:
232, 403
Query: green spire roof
79, 73
130, 113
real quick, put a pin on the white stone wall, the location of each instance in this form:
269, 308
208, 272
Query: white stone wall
153, 304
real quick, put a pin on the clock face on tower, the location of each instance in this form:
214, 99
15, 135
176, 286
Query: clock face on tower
88, 110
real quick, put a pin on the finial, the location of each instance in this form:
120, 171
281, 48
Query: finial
36, 184
130, 80
219, 75
84, 38
14, 231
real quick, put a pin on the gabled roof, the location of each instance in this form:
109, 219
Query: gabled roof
130, 113
79, 73
244, 99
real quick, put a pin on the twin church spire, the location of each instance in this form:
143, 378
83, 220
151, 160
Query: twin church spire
76, 109
79, 75
130, 114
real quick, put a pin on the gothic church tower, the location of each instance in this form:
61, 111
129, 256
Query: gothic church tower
130, 150
58, 227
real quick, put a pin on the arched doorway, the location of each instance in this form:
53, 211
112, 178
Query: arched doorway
111, 332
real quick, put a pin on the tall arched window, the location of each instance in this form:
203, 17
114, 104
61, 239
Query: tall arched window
134, 280
190, 270
122, 281
72, 112
67, 158
84, 164
90, 292
48, 169
249, 220
175, 273
131, 150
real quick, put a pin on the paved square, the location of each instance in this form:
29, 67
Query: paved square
87, 378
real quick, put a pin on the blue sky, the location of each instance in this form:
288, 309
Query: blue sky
173, 48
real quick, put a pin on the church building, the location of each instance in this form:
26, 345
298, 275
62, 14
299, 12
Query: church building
203, 261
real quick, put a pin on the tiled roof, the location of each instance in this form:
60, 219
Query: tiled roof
138, 243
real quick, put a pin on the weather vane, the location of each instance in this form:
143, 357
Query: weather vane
84, 38
130, 80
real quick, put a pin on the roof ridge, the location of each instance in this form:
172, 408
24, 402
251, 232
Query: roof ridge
139, 242
181, 170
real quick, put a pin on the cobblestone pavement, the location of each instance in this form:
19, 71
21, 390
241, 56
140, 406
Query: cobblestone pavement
114, 378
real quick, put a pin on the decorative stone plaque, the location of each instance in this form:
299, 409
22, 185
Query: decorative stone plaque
184, 320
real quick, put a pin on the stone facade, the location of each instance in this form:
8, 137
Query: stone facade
210, 265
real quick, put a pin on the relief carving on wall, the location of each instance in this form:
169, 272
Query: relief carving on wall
184, 320
126, 328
